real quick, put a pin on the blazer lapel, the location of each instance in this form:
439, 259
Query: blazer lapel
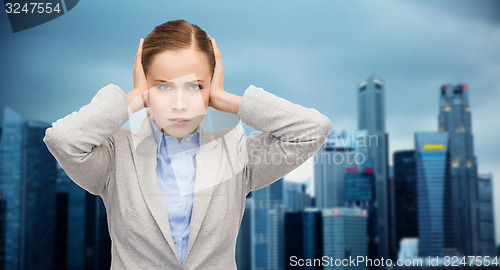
207, 160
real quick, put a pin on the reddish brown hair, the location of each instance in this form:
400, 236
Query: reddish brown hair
174, 35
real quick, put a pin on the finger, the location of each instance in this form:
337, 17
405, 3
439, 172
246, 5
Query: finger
218, 75
138, 50
138, 55
216, 48
217, 54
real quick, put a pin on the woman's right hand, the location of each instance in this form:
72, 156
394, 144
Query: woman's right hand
138, 96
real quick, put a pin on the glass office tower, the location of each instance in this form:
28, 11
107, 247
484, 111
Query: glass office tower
341, 149
435, 223
267, 223
486, 215
455, 118
360, 192
406, 203
371, 117
303, 238
344, 235
28, 175
244, 239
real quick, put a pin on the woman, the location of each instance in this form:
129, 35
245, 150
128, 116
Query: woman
174, 192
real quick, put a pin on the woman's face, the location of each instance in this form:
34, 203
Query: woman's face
179, 87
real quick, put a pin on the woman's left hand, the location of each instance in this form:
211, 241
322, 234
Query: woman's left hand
220, 99
217, 85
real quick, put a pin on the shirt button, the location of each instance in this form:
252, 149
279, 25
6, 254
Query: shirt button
188, 139
179, 204
179, 153
176, 240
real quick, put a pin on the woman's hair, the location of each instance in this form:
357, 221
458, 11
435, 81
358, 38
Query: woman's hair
175, 35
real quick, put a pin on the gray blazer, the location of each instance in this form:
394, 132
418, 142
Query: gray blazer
120, 166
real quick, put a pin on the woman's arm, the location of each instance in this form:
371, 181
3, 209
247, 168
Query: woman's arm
82, 141
291, 133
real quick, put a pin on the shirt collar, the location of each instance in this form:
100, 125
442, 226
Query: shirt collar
188, 142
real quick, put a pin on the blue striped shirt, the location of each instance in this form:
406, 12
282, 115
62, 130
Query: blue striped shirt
176, 171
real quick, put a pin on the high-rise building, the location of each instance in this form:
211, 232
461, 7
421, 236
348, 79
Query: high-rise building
435, 223
3, 214
303, 238
455, 118
27, 193
89, 243
360, 192
405, 195
344, 235
243, 241
267, 223
371, 117
295, 197
391, 198
61, 231
340, 150
486, 215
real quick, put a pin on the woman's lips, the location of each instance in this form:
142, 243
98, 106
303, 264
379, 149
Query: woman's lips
179, 121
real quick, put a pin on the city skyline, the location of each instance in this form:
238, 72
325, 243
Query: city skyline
281, 195
415, 46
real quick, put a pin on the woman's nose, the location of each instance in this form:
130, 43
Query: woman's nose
179, 103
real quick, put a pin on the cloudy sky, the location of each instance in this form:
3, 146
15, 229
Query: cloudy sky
313, 53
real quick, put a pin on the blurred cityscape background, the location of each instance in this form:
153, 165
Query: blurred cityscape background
407, 172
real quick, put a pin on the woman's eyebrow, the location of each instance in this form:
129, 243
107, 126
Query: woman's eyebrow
163, 81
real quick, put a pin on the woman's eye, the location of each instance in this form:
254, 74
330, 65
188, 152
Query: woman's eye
163, 86
196, 87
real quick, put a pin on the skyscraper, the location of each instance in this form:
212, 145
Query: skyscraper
303, 238
89, 243
28, 191
340, 150
295, 197
344, 235
455, 118
486, 215
243, 242
267, 223
61, 230
360, 192
406, 203
371, 117
435, 224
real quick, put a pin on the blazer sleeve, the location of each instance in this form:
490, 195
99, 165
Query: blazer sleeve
291, 134
83, 143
